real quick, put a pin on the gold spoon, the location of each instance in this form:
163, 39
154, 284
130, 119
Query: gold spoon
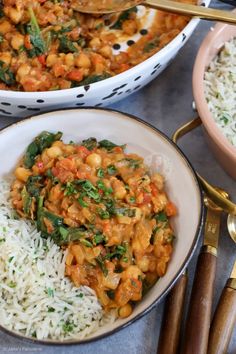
231, 223
231, 220
110, 6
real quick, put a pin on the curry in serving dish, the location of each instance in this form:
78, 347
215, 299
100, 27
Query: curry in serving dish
46, 45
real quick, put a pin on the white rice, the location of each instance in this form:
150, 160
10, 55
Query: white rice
35, 297
220, 90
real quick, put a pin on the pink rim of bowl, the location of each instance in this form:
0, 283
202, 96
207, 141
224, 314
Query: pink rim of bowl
213, 42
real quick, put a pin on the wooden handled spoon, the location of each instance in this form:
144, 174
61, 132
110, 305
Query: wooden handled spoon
224, 318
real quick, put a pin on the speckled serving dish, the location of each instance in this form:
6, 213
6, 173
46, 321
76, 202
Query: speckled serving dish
160, 154
22, 104
224, 151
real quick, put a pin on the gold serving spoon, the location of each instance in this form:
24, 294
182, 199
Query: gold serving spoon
110, 6
231, 220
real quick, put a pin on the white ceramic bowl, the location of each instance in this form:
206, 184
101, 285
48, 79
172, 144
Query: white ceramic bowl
159, 152
22, 104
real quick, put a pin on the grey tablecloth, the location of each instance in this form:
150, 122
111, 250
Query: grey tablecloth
166, 103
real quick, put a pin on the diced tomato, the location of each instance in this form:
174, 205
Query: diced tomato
66, 164
82, 175
27, 42
75, 75
118, 149
55, 171
83, 151
154, 189
170, 209
42, 59
124, 67
146, 198
106, 227
59, 70
143, 198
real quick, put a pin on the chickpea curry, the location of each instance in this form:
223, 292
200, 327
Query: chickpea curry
105, 207
47, 45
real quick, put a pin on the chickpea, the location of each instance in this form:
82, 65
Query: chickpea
17, 41
94, 160
124, 220
106, 51
54, 152
95, 43
138, 214
15, 14
23, 70
125, 311
5, 27
119, 189
22, 174
51, 60
69, 59
6, 57
143, 264
132, 271
83, 61
158, 180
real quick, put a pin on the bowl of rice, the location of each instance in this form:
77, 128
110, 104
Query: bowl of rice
214, 90
41, 298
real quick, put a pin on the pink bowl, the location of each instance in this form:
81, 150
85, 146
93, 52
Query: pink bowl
221, 147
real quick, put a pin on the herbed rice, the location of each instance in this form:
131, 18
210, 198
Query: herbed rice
36, 299
220, 90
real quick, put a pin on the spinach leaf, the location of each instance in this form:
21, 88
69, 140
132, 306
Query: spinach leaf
34, 185
36, 39
123, 17
151, 45
125, 212
111, 170
98, 239
1, 9
91, 79
118, 252
132, 163
104, 214
161, 216
100, 262
111, 294
66, 45
6, 75
27, 200
109, 145
69, 234
90, 143
42, 141
100, 173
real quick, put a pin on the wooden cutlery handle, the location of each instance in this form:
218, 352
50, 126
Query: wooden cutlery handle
172, 316
224, 320
199, 313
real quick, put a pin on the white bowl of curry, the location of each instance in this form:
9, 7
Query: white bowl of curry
128, 207
52, 56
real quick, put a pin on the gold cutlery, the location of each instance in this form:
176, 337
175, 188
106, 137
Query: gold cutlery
110, 6
199, 313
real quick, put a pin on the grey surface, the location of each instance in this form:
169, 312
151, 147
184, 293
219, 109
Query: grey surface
166, 103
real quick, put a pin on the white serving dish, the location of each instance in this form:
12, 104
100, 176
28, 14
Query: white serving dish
22, 104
